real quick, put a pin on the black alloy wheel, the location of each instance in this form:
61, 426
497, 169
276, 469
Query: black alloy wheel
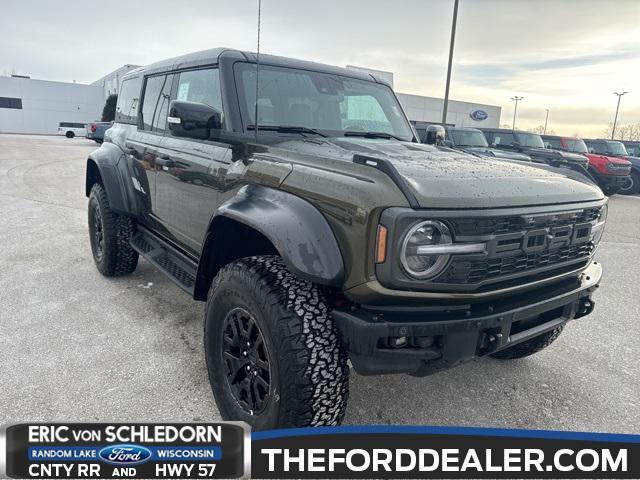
97, 235
245, 355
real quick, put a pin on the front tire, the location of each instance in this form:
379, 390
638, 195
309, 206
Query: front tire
70, 134
110, 234
529, 347
633, 186
272, 351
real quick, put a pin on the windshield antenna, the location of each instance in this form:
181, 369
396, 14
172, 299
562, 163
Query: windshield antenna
255, 120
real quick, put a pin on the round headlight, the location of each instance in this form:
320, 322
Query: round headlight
425, 233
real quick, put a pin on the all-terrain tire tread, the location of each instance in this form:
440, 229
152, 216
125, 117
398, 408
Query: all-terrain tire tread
120, 258
313, 363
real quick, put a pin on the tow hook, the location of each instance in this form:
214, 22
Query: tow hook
585, 307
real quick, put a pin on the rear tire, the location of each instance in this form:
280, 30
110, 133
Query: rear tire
70, 134
298, 374
633, 186
110, 234
529, 347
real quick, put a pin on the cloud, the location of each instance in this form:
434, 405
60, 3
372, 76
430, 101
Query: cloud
567, 56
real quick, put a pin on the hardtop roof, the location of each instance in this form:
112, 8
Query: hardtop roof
213, 55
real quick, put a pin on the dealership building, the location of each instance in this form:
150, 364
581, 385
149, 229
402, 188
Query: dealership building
38, 106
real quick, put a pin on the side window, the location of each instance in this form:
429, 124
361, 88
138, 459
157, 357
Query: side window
554, 143
155, 102
128, 101
504, 139
598, 147
201, 86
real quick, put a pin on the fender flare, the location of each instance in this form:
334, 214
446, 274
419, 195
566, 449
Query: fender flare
109, 160
297, 230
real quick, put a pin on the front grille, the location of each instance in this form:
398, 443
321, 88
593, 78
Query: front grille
463, 271
519, 223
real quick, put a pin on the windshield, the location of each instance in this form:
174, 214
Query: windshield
616, 148
329, 103
577, 145
529, 140
467, 138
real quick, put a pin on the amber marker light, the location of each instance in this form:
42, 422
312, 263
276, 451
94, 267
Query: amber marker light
381, 244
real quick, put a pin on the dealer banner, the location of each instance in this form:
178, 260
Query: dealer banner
121, 450
442, 452
228, 450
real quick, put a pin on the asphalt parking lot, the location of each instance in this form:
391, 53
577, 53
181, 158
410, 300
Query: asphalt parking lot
77, 346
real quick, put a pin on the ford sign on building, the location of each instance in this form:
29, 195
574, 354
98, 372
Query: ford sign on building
479, 115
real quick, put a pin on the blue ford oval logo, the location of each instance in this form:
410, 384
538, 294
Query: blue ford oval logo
124, 454
479, 115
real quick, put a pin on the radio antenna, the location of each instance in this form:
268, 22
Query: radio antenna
257, 72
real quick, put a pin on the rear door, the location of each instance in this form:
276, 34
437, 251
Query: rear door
142, 146
192, 171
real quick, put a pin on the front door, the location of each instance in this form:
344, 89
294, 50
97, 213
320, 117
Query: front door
190, 172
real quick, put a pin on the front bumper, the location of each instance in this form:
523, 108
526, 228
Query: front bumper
612, 181
441, 336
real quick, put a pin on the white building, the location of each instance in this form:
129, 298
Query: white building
459, 114
38, 106
110, 83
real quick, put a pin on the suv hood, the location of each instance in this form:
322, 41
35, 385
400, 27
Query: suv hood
494, 152
440, 177
551, 153
616, 160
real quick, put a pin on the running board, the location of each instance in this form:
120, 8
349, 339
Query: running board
166, 258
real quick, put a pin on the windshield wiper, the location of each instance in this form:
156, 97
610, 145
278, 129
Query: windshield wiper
353, 133
286, 129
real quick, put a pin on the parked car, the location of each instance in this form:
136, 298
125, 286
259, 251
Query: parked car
611, 173
314, 239
632, 147
614, 148
95, 130
531, 144
71, 129
472, 140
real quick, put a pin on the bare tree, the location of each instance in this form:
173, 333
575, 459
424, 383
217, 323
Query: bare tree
540, 130
629, 131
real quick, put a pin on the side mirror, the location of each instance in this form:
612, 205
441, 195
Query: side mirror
193, 119
435, 135
447, 143
515, 144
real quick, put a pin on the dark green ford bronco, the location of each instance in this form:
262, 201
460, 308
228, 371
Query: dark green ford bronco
318, 230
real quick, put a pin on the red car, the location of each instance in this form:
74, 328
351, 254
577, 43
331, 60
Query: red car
611, 173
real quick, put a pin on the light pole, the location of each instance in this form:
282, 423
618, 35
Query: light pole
515, 110
615, 120
453, 39
546, 119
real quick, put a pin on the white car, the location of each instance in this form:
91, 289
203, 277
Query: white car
71, 129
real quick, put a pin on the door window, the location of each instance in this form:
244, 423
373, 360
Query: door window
156, 102
503, 139
201, 86
128, 100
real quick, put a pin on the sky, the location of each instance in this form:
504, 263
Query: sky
568, 56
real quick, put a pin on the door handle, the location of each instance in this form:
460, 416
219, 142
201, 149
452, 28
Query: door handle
165, 163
